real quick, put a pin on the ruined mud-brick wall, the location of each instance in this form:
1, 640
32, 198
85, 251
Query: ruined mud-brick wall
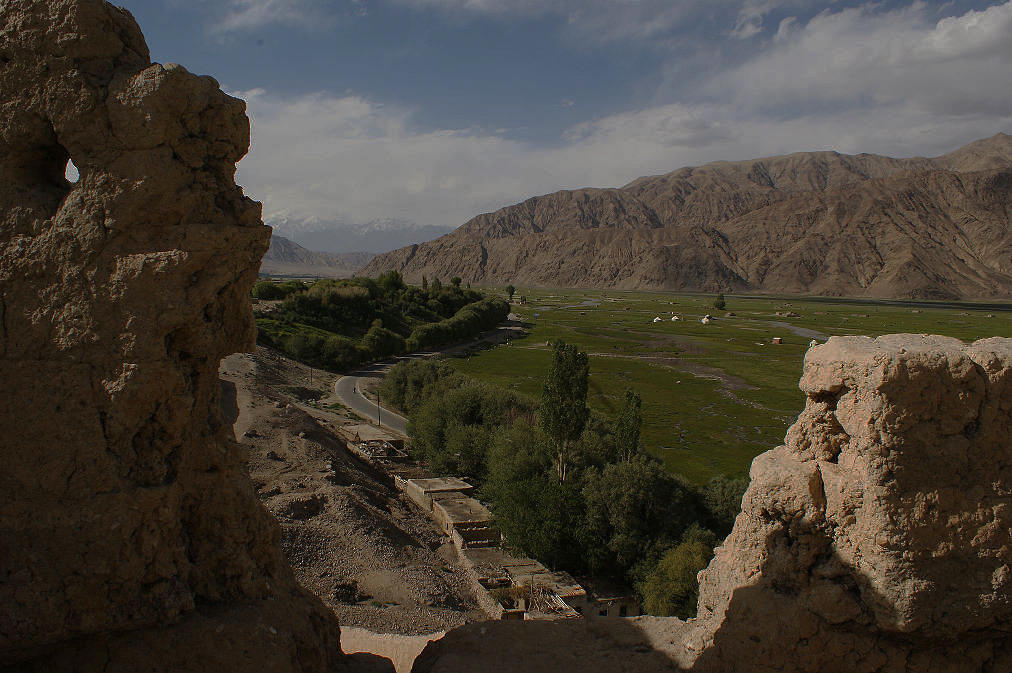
130, 537
877, 540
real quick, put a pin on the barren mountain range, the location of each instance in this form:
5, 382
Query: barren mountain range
814, 222
341, 236
287, 258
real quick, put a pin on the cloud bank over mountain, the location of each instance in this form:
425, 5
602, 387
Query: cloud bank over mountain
885, 78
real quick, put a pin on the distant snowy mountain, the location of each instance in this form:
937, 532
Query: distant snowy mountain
375, 236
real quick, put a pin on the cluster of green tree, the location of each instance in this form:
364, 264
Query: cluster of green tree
338, 324
266, 289
452, 418
567, 487
471, 319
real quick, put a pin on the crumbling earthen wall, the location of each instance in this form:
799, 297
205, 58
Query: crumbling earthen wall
878, 539
130, 536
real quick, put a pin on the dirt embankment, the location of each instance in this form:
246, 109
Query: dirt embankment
351, 537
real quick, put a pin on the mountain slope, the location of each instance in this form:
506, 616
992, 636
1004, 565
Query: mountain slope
287, 258
338, 236
818, 222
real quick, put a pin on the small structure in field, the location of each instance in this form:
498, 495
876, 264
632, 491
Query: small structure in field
777, 340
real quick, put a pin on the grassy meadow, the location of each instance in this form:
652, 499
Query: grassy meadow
714, 395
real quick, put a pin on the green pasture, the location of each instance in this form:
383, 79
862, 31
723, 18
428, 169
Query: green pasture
714, 395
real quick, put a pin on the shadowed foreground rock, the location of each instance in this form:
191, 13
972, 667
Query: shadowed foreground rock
131, 536
876, 540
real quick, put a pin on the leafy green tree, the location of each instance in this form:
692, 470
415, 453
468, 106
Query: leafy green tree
596, 446
537, 513
466, 449
671, 590
265, 289
409, 384
304, 347
455, 281
719, 302
564, 409
722, 497
453, 428
425, 283
380, 342
339, 353
633, 510
627, 426
510, 290
391, 282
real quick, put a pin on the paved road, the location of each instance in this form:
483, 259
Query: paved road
348, 389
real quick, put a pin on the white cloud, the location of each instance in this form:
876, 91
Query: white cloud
352, 159
786, 29
750, 18
592, 20
862, 57
855, 80
242, 15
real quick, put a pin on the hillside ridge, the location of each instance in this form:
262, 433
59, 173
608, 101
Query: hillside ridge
286, 257
810, 222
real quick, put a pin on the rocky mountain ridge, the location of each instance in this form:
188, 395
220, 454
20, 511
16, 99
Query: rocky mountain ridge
288, 258
814, 222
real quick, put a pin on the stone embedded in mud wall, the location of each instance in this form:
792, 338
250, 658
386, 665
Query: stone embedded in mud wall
131, 536
879, 538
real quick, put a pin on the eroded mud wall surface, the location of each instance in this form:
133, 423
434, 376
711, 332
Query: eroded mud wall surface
131, 537
878, 539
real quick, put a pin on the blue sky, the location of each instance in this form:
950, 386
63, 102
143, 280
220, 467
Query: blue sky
435, 110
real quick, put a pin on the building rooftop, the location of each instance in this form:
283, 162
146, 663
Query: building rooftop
441, 485
461, 509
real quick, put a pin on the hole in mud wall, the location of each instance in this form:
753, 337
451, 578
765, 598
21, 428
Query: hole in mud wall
71, 173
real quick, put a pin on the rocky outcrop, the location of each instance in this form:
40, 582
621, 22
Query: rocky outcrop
812, 223
131, 536
877, 539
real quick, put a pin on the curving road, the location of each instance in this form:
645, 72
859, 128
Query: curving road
348, 390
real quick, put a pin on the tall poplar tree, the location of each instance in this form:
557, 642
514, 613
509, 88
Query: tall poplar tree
627, 426
564, 401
